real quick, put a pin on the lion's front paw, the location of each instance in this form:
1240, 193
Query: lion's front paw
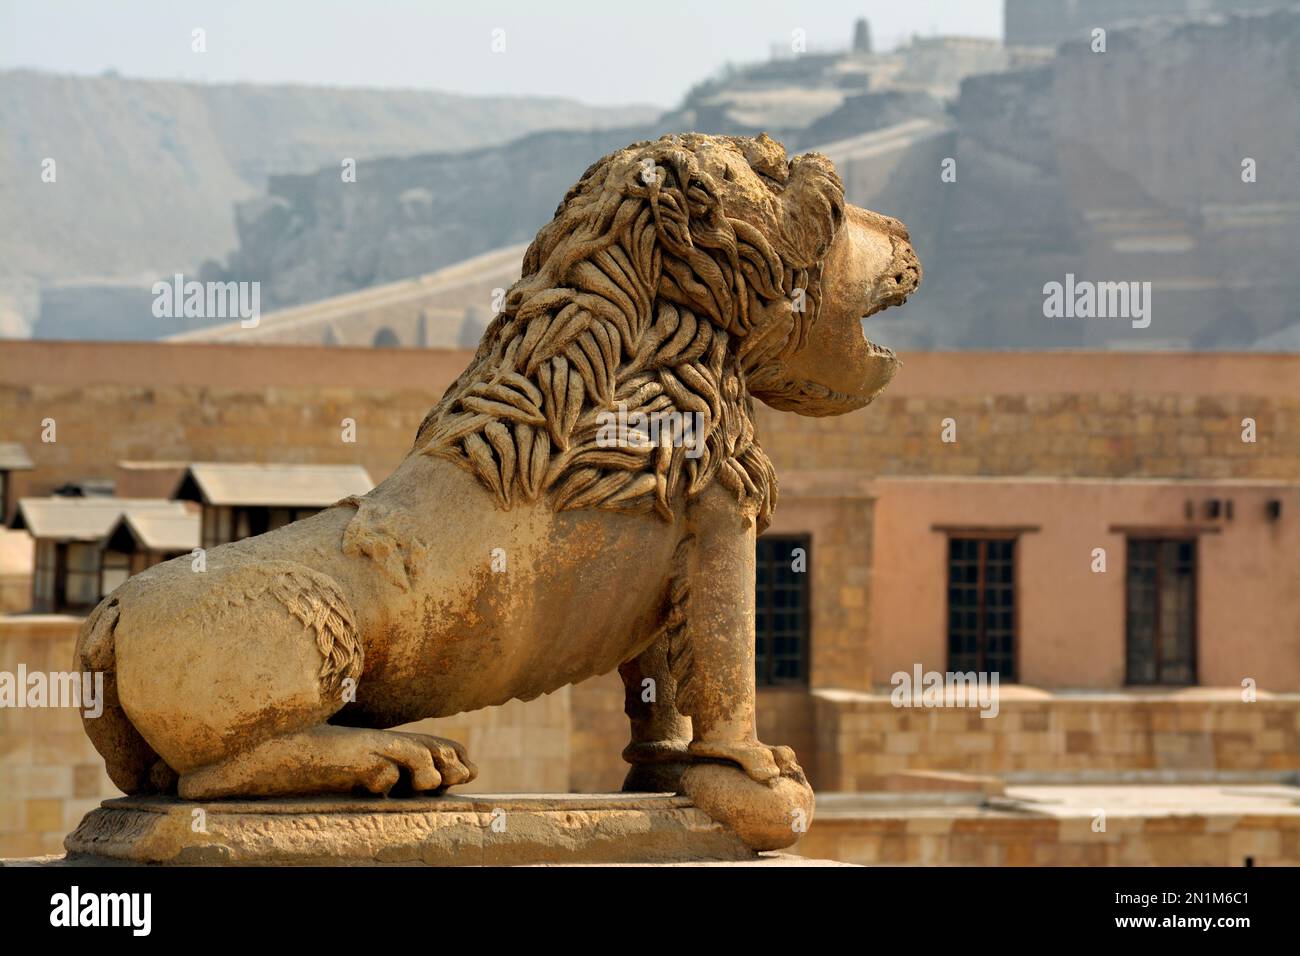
451, 763
758, 760
766, 814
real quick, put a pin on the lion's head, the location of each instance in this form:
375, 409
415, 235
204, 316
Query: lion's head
677, 279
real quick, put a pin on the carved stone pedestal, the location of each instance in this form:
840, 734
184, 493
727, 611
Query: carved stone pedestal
452, 830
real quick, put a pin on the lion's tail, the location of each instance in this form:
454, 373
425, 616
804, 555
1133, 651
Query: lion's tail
131, 763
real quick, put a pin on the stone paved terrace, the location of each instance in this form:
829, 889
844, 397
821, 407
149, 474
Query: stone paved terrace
1115, 825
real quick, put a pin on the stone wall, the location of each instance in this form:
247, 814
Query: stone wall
1101, 415
599, 732
50, 774
1017, 414
16, 554
855, 742
150, 402
1190, 836
1186, 735
1070, 612
837, 516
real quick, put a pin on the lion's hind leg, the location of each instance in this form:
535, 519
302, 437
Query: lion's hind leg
328, 759
231, 677
660, 734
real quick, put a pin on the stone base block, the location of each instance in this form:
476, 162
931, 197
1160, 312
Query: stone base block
450, 830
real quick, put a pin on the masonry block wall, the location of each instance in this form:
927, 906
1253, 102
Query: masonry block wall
1065, 414
1062, 414
50, 774
1193, 735
1196, 838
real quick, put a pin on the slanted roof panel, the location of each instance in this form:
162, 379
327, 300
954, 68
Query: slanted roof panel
14, 457
84, 519
298, 486
163, 530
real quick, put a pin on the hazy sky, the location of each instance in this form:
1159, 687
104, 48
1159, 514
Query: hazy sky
599, 51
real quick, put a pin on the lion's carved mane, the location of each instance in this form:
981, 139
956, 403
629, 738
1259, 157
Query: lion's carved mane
650, 288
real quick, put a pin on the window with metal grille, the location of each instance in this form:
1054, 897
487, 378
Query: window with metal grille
782, 605
982, 605
1160, 612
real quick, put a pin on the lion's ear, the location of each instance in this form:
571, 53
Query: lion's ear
812, 210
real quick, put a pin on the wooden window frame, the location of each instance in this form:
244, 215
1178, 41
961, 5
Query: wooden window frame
1160, 535
63, 571
976, 533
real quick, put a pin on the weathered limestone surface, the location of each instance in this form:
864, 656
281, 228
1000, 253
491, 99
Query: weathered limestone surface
484, 829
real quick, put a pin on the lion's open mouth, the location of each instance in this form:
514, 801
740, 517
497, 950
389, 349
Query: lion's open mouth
874, 347
892, 291
835, 369
896, 287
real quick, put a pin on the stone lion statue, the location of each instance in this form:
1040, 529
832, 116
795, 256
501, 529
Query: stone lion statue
526, 542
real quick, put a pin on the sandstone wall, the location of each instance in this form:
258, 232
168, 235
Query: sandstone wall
1163, 415
1069, 613
1103, 415
1196, 734
1192, 837
50, 774
152, 402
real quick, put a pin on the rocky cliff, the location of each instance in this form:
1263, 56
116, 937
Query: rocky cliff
315, 235
1125, 166
147, 171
